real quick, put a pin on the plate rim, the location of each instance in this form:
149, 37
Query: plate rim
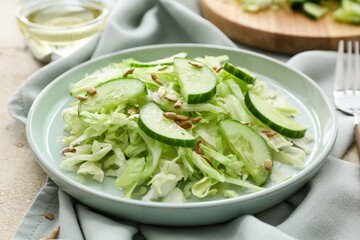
315, 165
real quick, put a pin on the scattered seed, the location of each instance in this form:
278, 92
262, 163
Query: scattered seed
49, 216
170, 115
269, 133
131, 111
81, 98
181, 118
196, 120
65, 150
178, 104
171, 98
138, 111
214, 67
268, 164
156, 79
196, 64
206, 159
55, 233
91, 90
198, 149
219, 69
19, 145
246, 123
161, 92
186, 124
130, 71
163, 68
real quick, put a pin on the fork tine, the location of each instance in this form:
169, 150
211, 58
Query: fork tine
349, 63
357, 72
339, 71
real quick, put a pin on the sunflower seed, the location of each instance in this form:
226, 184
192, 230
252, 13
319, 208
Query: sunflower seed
170, 115
186, 124
171, 98
178, 104
156, 79
181, 118
162, 68
196, 64
49, 216
269, 133
268, 164
81, 98
91, 90
131, 111
196, 120
128, 72
161, 92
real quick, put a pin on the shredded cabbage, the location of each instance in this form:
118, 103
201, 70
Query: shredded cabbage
110, 143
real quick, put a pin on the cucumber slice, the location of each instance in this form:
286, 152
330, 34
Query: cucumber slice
342, 16
240, 73
248, 146
350, 7
273, 118
154, 124
197, 85
296, 4
164, 61
314, 11
114, 92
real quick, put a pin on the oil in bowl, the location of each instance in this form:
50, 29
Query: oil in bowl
56, 29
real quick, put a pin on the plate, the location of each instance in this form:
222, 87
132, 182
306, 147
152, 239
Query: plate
45, 127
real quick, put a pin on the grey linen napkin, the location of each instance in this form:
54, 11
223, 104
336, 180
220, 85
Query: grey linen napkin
327, 207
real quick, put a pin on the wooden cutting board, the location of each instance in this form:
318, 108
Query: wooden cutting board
281, 30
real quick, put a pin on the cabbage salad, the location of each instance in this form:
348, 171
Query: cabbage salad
177, 129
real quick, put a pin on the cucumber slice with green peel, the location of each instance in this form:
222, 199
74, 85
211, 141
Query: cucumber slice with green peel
296, 4
164, 61
249, 147
114, 92
272, 117
342, 16
314, 11
197, 84
155, 125
351, 7
240, 73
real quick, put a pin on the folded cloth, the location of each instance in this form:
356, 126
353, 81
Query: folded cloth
326, 208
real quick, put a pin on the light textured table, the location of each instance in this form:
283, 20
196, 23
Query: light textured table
20, 176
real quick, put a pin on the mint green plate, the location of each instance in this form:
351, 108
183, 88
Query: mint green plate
45, 127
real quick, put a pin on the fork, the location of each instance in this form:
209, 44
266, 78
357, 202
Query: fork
347, 84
